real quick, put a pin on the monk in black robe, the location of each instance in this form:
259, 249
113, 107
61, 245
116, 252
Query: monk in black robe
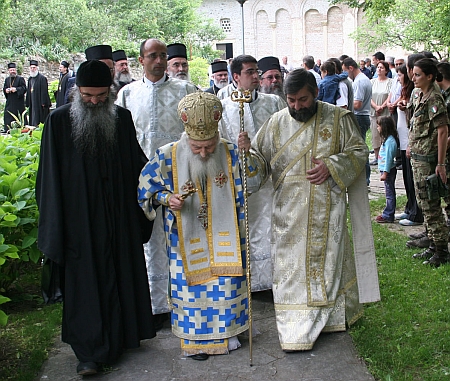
90, 223
38, 100
14, 90
65, 74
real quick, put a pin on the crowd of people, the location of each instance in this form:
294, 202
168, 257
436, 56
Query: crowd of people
143, 211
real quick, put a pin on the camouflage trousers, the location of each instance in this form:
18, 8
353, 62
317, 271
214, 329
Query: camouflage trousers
431, 209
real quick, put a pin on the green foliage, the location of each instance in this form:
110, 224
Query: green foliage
198, 71
52, 89
19, 155
55, 29
413, 25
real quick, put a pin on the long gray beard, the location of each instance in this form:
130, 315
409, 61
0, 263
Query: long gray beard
200, 168
273, 90
34, 73
94, 130
124, 77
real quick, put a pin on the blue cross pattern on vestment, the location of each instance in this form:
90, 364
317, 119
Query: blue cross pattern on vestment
210, 312
204, 329
185, 324
215, 294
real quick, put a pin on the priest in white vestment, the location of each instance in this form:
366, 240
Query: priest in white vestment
245, 72
153, 103
316, 157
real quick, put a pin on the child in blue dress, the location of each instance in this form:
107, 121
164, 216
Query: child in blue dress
386, 165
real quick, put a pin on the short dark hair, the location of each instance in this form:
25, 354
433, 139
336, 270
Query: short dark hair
298, 79
428, 66
308, 61
343, 57
236, 64
428, 54
444, 69
412, 58
329, 67
379, 56
337, 63
350, 62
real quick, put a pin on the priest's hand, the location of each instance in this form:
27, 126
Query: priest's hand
176, 202
244, 142
319, 173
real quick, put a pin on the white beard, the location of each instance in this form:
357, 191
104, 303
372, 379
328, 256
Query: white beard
201, 168
221, 84
34, 73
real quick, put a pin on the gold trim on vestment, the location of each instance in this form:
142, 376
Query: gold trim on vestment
211, 349
285, 147
209, 264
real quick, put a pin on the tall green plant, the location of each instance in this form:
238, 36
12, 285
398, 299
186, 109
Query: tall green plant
19, 157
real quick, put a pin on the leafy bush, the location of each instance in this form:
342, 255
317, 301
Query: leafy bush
19, 158
198, 70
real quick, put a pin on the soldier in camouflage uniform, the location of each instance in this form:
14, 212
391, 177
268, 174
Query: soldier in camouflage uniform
444, 69
428, 146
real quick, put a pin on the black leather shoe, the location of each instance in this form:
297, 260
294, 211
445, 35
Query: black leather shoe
200, 357
440, 257
420, 243
426, 254
87, 368
418, 235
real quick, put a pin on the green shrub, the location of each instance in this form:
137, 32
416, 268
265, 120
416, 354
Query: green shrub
198, 70
19, 158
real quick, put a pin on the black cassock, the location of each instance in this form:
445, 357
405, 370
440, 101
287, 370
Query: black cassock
62, 88
15, 102
38, 100
92, 226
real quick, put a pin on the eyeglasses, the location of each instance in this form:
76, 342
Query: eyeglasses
251, 72
100, 97
272, 77
154, 56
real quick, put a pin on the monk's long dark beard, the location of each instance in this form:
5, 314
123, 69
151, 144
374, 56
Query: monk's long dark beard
304, 114
94, 130
201, 168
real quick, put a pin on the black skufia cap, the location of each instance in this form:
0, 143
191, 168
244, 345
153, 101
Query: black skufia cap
176, 50
99, 52
119, 55
219, 66
269, 63
93, 73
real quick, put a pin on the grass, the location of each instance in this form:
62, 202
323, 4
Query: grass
404, 337
30, 332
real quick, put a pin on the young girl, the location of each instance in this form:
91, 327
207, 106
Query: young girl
386, 165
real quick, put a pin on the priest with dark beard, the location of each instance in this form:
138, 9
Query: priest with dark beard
14, 90
90, 226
